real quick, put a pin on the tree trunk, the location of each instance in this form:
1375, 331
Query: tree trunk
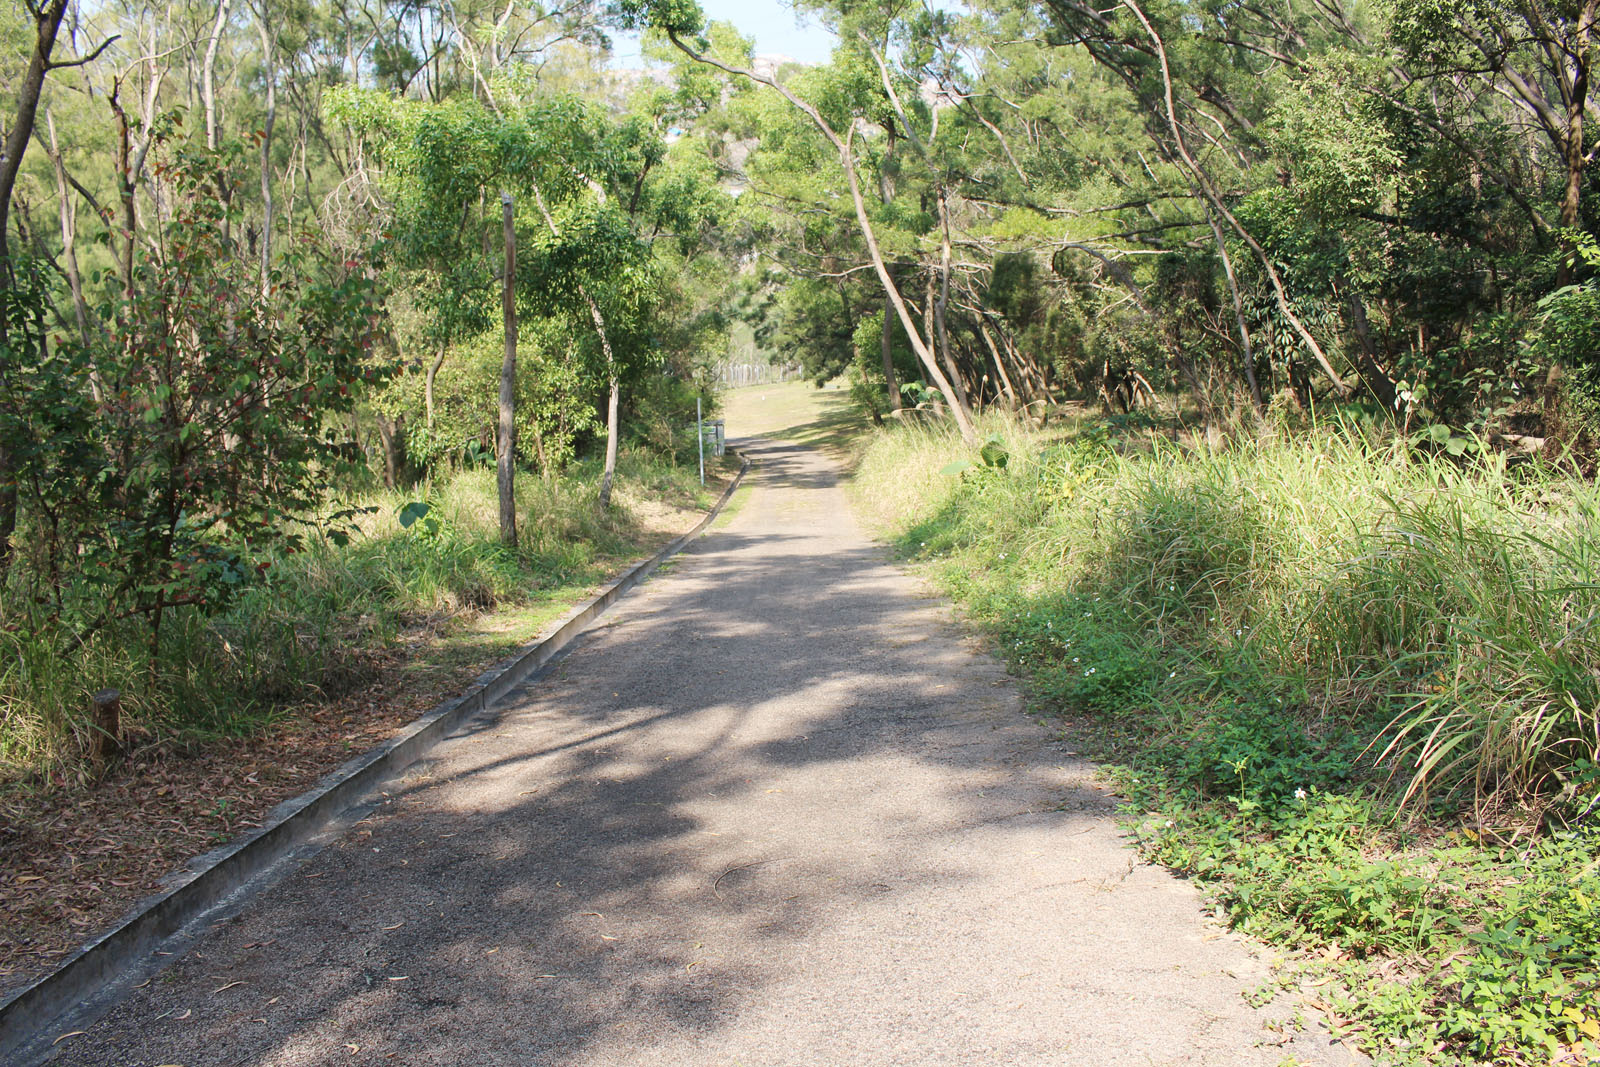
1202, 183
613, 425
506, 441
208, 75
613, 375
393, 436
1373, 374
538, 449
942, 301
886, 341
611, 443
843, 145
427, 383
69, 246
930, 320
1576, 160
887, 344
1247, 352
999, 364
268, 49
46, 25
125, 190
357, 437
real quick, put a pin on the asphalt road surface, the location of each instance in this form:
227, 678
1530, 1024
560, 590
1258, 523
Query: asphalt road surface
775, 810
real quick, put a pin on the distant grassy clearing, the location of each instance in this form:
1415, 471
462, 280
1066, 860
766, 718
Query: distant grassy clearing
795, 411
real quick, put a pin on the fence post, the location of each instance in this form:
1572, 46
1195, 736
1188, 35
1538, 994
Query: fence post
107, 726
700, 438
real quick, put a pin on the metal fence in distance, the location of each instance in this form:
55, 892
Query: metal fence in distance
738, 375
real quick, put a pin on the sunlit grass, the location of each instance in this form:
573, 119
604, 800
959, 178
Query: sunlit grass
1454, 605
796, 411
324, 621
1348, 688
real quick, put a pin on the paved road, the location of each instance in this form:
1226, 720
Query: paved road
775, 811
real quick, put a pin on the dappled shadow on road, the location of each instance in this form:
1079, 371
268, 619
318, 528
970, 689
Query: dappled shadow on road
777, 739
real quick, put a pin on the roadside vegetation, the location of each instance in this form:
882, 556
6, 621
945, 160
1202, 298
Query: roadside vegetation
259, 259
417, 564
1347, 684
332, 649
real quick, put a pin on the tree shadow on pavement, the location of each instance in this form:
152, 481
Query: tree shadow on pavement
749, 777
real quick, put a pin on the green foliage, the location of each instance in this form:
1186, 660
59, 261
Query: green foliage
1236, 630
1083, 652
206, 447
669, 16
1497, 947
323, 620
663, 416
1437, 612
555, 395
1568, 335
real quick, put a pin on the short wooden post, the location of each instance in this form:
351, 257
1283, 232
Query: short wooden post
107, 726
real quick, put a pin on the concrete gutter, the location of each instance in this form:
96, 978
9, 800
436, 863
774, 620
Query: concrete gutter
71, 993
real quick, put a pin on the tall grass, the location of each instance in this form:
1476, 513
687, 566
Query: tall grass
322, 621
1443, 612
1278, 643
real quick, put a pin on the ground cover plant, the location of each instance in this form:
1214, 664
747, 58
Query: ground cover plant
312, 623
1344, 683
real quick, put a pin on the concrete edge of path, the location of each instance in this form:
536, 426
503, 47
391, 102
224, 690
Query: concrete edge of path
216, 877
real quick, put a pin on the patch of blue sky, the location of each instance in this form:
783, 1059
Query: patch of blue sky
776, 26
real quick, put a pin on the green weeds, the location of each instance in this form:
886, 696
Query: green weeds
1349, 689
322, 622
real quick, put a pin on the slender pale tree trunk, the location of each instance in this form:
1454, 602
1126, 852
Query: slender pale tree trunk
1203, 183
506, 442
610, 474
69, 242
428, 380
208, 75
125, 192
886, 342
942, 301
613, 423
1247, 350
1007, 390
613, 377
269, 43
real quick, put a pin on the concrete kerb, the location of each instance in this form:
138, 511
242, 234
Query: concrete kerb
218, 877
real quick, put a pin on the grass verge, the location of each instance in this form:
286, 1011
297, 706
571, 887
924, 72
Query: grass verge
333, 652
1349, 689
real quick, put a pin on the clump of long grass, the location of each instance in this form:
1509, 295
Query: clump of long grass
1448, 609
320, 621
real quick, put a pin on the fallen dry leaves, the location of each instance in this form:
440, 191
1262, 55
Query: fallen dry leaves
75, 855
